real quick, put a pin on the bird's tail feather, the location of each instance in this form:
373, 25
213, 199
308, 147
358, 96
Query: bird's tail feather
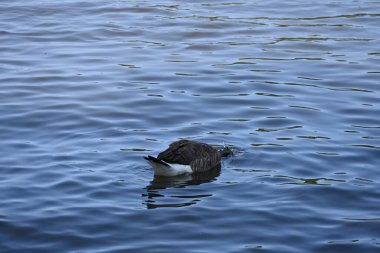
152, 159
162, 168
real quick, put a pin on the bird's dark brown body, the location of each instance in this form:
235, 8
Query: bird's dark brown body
185, 157
200, 156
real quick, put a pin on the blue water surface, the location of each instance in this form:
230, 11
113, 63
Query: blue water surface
87, 88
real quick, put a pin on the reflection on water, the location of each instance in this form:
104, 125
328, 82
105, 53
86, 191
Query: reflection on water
158, 193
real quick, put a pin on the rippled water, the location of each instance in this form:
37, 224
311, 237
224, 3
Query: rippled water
90, 87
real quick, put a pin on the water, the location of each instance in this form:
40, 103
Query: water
90, 87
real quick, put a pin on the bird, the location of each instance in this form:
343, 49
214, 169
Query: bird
187, 157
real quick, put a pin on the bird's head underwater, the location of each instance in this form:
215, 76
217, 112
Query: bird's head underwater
226, 151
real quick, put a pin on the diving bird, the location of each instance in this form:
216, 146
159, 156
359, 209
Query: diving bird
187, 157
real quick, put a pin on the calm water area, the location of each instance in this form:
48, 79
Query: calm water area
87, 88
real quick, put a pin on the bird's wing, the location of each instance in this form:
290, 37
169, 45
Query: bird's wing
206, 163
181, 152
